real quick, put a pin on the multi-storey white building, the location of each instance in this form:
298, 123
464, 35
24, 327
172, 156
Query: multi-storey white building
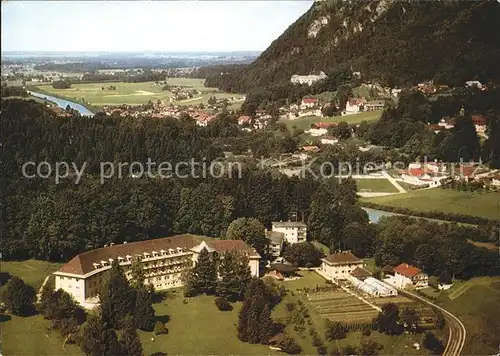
295, 231
165, 260
340, 265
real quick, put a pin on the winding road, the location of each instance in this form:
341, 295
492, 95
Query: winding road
456, 338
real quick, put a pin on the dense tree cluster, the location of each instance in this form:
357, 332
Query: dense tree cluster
55, 222
62, 310
255, 324
61, 84
303, 254
454, 28
435, 248
405, 126
124, 307
333, 208
225, 275
13, 91
249, 230
19, 297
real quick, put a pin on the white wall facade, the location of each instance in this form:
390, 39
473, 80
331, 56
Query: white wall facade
339, 271
162, 272
293, 235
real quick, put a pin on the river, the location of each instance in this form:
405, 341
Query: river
374, 215
62, 103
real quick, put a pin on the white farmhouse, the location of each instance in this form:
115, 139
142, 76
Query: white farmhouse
295, 231
407, 275
340, 265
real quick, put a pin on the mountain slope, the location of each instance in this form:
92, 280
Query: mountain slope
395, 42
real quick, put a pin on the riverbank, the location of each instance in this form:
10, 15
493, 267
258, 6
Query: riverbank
62, 103
442, 204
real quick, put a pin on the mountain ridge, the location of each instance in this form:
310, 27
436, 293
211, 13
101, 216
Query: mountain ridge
393, 42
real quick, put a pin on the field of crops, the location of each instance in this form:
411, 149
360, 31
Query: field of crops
341, 306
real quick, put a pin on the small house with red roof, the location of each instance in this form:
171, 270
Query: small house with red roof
408, 275
308, 103
479, 123
354, 106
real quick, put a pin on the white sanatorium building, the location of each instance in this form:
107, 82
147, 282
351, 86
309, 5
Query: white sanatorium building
295, 231
308, 79
164, 262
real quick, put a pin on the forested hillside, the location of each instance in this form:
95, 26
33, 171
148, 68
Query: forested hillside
394, 42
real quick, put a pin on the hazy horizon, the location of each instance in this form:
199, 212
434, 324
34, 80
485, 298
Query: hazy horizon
145, 26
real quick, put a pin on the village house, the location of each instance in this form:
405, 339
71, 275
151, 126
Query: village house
479, 123
419, 175
447, 123
314, 131
244, 120
354, 106
407, 275
295, 231
276, 239
164, 260
374, 105
329, 140
308, 103
339, 265
310, 149
427, 87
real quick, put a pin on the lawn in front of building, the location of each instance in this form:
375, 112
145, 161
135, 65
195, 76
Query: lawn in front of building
197, 327
33, 272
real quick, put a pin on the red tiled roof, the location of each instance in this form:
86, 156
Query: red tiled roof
309, 100
310, 148
479, 120
407, 270
324, 125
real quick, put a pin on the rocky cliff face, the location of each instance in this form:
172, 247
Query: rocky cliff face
395, 42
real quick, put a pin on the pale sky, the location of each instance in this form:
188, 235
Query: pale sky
146, 25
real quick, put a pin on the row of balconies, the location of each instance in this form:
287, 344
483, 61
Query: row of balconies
146, 257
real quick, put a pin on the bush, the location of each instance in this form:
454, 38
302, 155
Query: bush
367, 331
19, 298
223, 304
335, 331
321, 350
160, 328
286, 344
